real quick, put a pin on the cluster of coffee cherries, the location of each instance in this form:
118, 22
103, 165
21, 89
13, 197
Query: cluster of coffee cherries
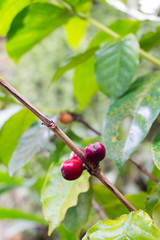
72, 168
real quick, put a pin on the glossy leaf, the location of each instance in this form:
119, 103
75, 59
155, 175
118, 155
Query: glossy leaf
11, 132
74, 62
112, 207
76, 217
58, 195
122, 27
6, 213
156, 151
75, 30
29, 144
84, 84
31, 25
142, 104
116, 63
150, 39
136, 225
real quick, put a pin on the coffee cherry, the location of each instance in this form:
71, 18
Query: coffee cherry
71, 169
65, 118
74, 156
94, 152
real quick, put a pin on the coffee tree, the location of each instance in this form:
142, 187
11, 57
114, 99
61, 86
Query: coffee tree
77, 199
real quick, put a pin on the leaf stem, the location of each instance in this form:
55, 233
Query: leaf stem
80, 119
93, 170
115, 35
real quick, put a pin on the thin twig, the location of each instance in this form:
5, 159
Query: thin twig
93, 170
79, 118
99, 210
144, 170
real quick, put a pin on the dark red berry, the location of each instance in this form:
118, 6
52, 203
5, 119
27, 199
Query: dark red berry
74, 156
94, 152
65, 118
71, 169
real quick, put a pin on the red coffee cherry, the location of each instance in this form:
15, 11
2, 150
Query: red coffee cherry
65, 118
71, 169
94, 152
74, 156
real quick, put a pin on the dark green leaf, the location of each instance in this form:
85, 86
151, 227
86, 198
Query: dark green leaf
76, 217
156, 151
74, 62
152, 198
116, 63
29, 144
112, 207
150, 39
136, 225
31, 25
65, 234
58, 195
156, 214
11, 132
142, 104
6, 213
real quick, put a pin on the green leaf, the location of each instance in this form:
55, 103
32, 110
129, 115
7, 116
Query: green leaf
150, 39
11, 132
156, 214
152, 198
76, 3
31, 25
7, 99
28, 145
8, 10
156, 151
136, 225
76, 217
74, 62
142, 104
122, 26
115, 65
84, 85
75, 30
65, 235
6, 213
112, 207
5, 178
58, 195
